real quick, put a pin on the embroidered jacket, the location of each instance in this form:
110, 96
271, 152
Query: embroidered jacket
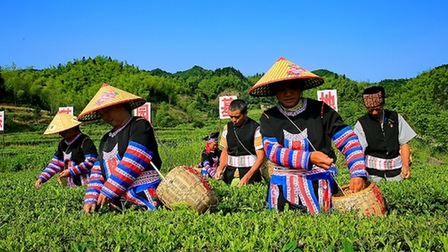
123, 167
80, 154
318, 125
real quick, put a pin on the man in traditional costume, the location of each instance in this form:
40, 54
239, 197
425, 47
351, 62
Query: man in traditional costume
242, 153
297, 135
384, 136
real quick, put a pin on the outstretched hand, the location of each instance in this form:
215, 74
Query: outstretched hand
102, 200
88, 208
38, 183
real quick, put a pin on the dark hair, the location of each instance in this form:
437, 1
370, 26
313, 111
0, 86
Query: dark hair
127, 107
374, 90
238, 104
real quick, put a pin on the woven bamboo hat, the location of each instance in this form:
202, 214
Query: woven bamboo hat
61, 122
285, 70
108, 96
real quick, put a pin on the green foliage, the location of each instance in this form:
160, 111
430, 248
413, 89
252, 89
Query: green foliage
52, 218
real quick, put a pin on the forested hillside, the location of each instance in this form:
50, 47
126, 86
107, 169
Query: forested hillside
192, 96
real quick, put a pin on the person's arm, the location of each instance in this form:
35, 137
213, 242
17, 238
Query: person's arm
222, 164
405, 134
405, 153
96, 182
52, 168
90, 155
223, 159
135, 159
347, 142
258, 146
207, 166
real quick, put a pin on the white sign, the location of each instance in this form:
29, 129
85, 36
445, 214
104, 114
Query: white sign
224, 102
144, 111
330, 97
67, 110
2, 120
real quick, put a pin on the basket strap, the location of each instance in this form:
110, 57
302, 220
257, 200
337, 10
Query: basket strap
157, 170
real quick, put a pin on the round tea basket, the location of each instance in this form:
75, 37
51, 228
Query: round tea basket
184, 185
63, 180
368, 201
266, 169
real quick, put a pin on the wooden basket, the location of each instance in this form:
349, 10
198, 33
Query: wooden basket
185, 185
368, 201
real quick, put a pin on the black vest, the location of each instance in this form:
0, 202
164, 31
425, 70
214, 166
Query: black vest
382, 143
245, 134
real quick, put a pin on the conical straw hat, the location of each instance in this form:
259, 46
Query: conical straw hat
61, 122
108, 96
285, 70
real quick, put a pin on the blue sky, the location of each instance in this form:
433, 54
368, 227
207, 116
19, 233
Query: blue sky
365, 40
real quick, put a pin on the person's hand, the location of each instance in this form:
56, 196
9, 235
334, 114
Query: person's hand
38, 183
64, 173
357, 184
405, 172
219, 173
244, 180
102, 200
88, 208
321, 160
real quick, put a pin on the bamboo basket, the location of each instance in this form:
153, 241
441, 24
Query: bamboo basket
367, 202
184, 185
63, 181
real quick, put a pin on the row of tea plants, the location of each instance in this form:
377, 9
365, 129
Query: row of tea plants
52, 218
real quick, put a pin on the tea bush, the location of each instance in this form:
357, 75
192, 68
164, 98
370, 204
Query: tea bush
52, 219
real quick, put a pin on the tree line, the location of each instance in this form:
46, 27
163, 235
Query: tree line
191, 96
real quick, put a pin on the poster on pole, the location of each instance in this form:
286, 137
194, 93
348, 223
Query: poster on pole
67, 110
224, 102
2, 120
144, 111
330, 97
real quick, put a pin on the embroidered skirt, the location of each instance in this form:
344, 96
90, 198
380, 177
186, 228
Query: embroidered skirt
308, 191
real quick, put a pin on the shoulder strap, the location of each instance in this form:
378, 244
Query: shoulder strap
82, 143
322, 110
239, 141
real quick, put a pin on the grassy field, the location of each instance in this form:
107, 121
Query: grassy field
51, 219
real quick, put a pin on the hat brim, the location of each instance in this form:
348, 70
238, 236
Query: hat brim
61, 122
92, 114
108, 96
265, 89
284, 70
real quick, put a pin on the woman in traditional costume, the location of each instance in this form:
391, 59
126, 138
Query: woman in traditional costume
297, 135
210, 155
124, 173
75, 155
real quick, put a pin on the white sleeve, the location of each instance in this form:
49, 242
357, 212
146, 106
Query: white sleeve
405, 132
359, 131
